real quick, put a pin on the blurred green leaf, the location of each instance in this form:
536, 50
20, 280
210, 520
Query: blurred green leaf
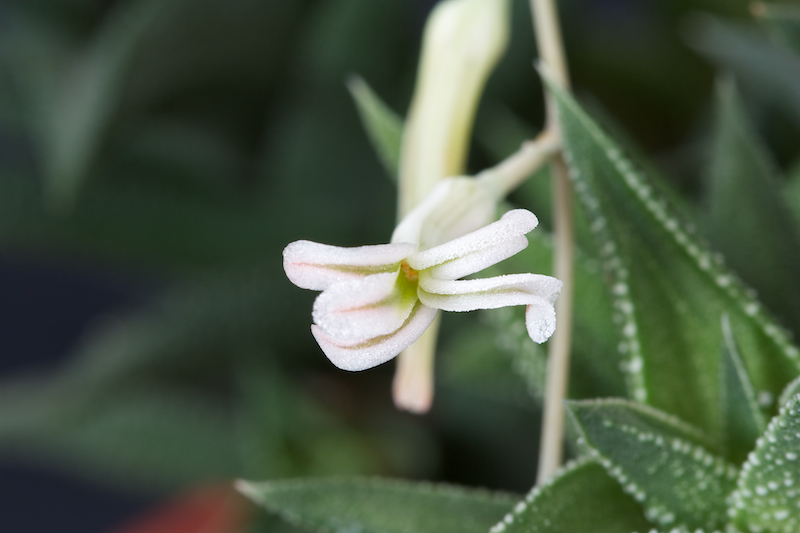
144, 228
742, 418
668, 290
658, 461
791, 193
372, 505
384, 127
141, 435
782, 21
766, 495
581, 497
759, 64
748, 220
147, 399
88, 98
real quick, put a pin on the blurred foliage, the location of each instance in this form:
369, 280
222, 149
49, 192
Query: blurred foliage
189, 142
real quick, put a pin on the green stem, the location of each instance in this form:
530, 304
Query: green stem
551, 51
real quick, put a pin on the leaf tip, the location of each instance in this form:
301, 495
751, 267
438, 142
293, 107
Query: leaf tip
248, 489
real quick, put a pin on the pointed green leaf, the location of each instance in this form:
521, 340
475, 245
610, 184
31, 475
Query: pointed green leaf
749, 222
742, 419
384, 127
789, 392
372, 505
782, 21
658, 459
581, 497
669, 290
768, 489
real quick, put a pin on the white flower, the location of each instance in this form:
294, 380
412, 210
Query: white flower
377, 300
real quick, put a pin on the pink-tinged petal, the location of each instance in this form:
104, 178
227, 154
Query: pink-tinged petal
488, 293
364, 308
540, 320
356, 356
477, 261
315, 266
483, 241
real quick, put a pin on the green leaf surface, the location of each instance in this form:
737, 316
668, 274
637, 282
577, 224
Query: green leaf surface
669, 291
373, 505
766, 495
748, 220
789, 392
659, 460
384, 127
580, 497
742, 418
596, 368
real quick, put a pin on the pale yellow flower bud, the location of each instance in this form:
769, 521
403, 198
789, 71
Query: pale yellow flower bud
462, 43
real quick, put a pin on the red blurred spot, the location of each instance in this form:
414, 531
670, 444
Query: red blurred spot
207, 510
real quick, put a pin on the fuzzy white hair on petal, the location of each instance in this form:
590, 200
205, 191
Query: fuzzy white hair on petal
315, 266
361, 356
513, 224
540, 320
362, 309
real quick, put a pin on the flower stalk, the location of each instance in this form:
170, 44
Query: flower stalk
553, 60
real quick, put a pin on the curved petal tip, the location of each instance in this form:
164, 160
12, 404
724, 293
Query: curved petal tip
540, 320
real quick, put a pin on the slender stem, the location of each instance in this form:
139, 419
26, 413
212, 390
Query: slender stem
516, 168
551, 50
552, 439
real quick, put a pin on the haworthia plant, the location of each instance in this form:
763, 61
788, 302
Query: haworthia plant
768, 489
581, 497
659, 460
373, 505
669, 289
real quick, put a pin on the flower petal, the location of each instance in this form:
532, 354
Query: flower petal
482, 244
364, 308
360, 356
488, 293
540, 320
315, 266
477, 261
